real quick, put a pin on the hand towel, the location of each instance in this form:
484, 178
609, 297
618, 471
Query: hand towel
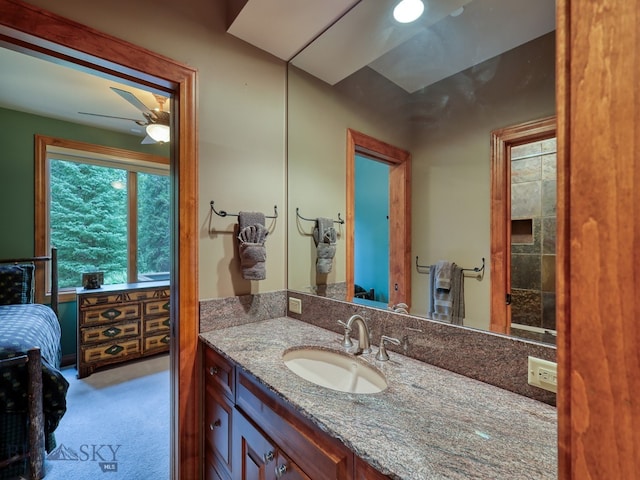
252, 235
325, 237
446, 304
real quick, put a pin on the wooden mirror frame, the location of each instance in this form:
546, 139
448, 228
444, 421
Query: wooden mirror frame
31, 29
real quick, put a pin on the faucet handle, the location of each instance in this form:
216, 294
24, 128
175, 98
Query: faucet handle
382, 354
346, 341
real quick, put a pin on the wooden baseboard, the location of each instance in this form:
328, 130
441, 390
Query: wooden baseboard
67, 360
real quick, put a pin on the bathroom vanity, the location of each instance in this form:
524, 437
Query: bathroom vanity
428, 423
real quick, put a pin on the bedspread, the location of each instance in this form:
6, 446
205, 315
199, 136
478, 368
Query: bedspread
22, 327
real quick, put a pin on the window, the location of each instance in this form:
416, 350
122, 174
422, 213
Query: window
105, 210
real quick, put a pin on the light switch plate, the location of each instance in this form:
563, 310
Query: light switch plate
543, 374
295, 305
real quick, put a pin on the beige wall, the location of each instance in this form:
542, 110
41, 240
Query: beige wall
317, 138
241, 113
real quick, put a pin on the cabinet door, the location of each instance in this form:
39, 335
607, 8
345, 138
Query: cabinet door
218, 425
364, 471
254, 455
285, 469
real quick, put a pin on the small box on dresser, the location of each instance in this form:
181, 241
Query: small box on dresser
118, 323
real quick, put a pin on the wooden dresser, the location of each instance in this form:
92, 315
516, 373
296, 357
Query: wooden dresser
118, 323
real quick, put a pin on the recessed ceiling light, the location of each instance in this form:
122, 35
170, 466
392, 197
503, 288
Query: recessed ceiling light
408, 11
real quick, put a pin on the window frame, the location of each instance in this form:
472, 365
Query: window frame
43, 146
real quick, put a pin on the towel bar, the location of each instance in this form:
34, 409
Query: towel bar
340, 220
223, 213
478, 270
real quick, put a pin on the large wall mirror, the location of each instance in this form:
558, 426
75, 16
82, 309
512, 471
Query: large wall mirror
436, 87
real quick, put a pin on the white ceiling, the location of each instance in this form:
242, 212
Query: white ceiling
411, 56
41, 87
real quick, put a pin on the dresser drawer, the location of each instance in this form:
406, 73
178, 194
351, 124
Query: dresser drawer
109, 313
156, 307
157, 342
111, 350
110, 332
157, 324
218, 373
89, 300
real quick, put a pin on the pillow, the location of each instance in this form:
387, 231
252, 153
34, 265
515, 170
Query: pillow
16, 284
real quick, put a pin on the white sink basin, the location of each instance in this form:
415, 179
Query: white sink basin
334, 370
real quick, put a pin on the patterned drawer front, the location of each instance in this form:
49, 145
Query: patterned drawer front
87, 301
109, 314
158, 324
157, 342
156, 307
107, 351
110, 332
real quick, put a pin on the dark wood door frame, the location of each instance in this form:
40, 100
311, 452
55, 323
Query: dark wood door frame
399, 161
30, 28
501, 142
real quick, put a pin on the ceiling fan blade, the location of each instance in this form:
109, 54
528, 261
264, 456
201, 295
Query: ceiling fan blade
133, 100
139, 122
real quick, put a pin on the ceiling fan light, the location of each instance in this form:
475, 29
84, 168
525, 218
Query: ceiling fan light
160, 133
408, 11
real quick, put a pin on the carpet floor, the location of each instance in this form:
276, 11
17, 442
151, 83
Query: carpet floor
116, 425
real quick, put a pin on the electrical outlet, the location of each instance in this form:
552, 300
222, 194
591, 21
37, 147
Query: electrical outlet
295, 305
543, 374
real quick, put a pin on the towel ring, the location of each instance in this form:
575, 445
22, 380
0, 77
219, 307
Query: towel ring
340, 220
223, 213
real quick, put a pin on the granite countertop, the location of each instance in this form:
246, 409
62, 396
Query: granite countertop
428, 424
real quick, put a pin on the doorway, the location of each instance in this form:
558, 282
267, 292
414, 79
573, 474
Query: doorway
399, 223
523, 206
42, 33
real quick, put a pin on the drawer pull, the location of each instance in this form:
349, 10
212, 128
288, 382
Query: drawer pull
281, 470
215, 424
268, 457
213, 371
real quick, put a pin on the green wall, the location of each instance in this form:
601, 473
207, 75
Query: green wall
17, 185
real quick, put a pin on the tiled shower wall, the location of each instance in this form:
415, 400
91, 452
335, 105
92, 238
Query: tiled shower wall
533, 239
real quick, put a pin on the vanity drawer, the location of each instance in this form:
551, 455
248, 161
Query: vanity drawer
316, 453
218, 372
110, 332
109, 314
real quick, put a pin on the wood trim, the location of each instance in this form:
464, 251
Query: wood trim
32, 28
501, 142
563, 247
399, 161
599, 342
42, 193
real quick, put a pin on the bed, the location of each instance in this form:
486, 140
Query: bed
32, 388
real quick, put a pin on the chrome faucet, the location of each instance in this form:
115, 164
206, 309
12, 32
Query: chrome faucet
364, 345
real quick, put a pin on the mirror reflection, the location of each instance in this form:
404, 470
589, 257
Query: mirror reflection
436, 87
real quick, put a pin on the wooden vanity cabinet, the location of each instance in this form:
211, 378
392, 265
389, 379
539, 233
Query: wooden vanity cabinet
250, 433
219, 400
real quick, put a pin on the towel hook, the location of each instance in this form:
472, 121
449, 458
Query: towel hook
223, 213
340, 220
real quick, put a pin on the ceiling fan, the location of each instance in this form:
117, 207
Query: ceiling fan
156, 122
